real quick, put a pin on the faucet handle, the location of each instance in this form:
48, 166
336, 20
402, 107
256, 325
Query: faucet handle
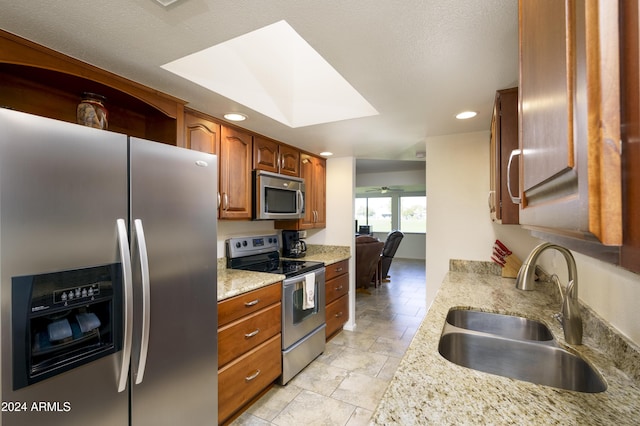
572, 319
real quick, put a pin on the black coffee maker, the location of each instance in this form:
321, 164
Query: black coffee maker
292, 244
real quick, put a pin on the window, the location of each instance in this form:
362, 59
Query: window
413, 214
375, 212
407, 213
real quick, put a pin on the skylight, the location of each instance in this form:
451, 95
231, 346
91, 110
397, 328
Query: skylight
274, 71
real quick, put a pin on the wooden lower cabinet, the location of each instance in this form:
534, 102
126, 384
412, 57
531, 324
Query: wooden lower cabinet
244, 378
337, 296
249, 348
337, 314
241, 336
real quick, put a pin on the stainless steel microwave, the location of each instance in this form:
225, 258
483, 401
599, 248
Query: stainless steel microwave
277, 196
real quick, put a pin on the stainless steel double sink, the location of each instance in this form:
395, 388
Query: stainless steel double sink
515, 347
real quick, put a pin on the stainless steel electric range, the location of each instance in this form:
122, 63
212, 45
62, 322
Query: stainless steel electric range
303, 297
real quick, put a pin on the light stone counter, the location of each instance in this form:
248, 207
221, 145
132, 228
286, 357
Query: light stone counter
428, 389
327, 254
232, 282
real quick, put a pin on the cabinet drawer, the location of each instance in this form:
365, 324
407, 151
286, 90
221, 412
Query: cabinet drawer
242, 335
337, 314
244, 378
336, 269
337, 287
236, 307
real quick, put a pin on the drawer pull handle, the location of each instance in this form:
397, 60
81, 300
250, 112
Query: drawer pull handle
339, 314
339, 288
253, 333
252, 303
339, 269
253, 376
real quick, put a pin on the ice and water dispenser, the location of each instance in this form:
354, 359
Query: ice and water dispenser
62, 320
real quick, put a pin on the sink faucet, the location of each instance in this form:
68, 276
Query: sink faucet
570, 313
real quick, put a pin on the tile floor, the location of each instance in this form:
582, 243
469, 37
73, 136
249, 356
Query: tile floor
344, 384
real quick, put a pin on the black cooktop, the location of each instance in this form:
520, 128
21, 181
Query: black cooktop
272, 263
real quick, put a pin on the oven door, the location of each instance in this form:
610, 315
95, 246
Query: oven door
297, 322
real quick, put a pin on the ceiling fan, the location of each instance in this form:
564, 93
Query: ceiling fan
385, 189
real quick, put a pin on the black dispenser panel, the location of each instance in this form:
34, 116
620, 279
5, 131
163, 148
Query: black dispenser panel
62, 320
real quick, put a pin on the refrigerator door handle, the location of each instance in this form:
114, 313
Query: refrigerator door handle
125, 259
146, 299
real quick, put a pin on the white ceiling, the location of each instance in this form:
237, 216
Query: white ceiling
417, 62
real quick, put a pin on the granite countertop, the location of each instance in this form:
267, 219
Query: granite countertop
327, 254
232, 282
428, 389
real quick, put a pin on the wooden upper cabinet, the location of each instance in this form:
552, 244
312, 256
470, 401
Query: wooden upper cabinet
235, 173
314, 172
275, 157
41, 81
200, 133
289, 161
570, 166
630, 72
504, 140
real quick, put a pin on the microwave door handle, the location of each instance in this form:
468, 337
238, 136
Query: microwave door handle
300, 202
125, 259
146, 299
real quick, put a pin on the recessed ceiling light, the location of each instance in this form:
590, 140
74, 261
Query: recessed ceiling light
235, 116
466, 114
326, 154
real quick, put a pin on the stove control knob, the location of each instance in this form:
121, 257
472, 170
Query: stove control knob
238, 244
244, 243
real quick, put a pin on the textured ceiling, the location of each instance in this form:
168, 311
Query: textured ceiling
418, 62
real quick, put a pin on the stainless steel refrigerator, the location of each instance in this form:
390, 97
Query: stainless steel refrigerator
108, 267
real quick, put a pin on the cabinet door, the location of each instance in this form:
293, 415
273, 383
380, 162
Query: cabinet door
313, 171
504, 139
289, 161
265, 155
569, 135
306, 172
630, 64
320, 192
337, 314
235, 174
244, 378
201, 134
273, 157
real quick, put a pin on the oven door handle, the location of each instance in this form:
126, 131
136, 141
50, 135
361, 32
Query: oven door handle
125, 259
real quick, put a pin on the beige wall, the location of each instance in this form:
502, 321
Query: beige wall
458, 225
